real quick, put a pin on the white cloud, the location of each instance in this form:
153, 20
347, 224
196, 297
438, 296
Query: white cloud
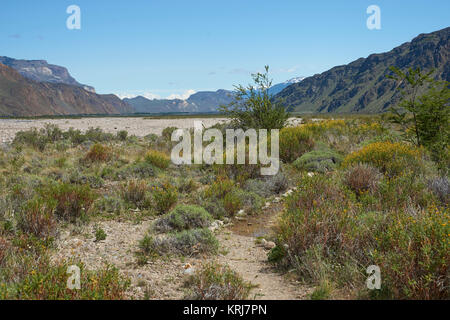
183, 96
147, 95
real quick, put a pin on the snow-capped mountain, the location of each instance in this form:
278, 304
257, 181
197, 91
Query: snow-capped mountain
277, 88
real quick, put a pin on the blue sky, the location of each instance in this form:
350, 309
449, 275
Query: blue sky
172, 48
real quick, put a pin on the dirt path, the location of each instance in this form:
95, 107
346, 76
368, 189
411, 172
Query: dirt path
163, 278
249, 258
250, 261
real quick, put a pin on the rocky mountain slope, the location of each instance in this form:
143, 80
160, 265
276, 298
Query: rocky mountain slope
41, 71
362, 86
277, 88
20, 96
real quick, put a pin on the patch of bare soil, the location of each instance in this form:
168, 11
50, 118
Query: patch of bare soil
163, 278
250, 261
158, 279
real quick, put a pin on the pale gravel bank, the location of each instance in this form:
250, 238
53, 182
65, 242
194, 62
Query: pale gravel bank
138, 126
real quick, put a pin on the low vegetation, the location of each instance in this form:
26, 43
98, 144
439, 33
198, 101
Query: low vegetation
216, 282
363, 190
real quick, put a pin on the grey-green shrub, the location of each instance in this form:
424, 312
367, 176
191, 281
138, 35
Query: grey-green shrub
184, 217
318, 161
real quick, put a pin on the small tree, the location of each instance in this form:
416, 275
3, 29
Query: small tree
423, 117
253, 106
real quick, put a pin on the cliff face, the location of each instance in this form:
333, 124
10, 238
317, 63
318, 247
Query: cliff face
362, 86
41, 71
20, 96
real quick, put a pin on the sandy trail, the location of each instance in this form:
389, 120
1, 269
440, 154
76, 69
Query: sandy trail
250, 261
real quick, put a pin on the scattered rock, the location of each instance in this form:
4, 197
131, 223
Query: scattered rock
188, 269
268, 245
217, 224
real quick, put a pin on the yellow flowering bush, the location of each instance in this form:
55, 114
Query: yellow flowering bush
294, 142
164, 197
391, 158
158, 159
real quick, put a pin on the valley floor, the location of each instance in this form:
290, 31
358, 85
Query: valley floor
164, 278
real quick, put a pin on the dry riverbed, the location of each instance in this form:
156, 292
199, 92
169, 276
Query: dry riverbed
139, 126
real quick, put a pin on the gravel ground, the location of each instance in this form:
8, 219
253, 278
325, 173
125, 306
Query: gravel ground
135, 126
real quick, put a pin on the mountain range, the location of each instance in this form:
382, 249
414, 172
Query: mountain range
21, 96
362, 86
202, 101
41, 71
34, 87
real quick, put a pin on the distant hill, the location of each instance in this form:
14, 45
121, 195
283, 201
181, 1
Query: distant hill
20, 96
277, 88
41, 71
203, 101
361, 86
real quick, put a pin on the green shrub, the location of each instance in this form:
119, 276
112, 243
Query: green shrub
164, 197
214, 207
329, 234
72, 201
139, 170
195, 241
98, 153
158, 159
37, 218
254, 106
109, 204
184, 217
187, 242
320, 228
318, 161
216, 282
362, 178
413, 254
97, 135
134, 192
219, 188
294, 142
122, 135
268, 186
100, 234
232, 202
322, 292
185, 185
31, 138
43, 280
403, 191
167, 133
4, 250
